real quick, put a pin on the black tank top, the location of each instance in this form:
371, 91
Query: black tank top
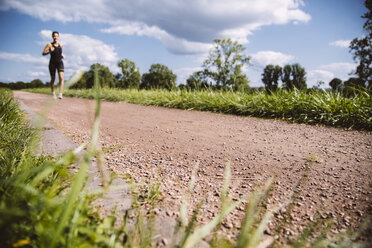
56, 55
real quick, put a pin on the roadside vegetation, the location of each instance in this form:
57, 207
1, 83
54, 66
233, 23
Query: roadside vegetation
312, 107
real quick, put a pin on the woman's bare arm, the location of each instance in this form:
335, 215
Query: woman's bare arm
46, 49
63, 56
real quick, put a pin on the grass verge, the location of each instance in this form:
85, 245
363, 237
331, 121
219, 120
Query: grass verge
317, 107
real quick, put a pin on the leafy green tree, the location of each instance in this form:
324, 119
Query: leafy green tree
131, 76
294, 76
158, 77
271, 76
241, 83
335, 84
36, 83
19, 85
105, 77
81, 83
117, 78
197, 81
352, 86
362, 49
225, 62
318, 86
286, 77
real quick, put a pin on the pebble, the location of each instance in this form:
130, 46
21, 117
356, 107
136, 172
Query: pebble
241, 208
164, 241
228, 225
323, 195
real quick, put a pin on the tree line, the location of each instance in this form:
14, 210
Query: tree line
221, 70
158, 77
294, 76
36, 83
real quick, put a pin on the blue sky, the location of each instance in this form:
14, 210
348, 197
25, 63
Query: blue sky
179, 34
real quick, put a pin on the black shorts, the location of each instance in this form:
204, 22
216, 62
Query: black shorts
53, 66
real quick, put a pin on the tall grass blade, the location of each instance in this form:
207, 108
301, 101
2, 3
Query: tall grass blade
79, 179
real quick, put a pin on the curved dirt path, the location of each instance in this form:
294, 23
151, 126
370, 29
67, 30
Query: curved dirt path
153, 142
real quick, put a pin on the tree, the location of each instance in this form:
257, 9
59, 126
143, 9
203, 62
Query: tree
352, 85
159, 77
271, 76
197, 81
362, 49
294, 76
3, 85
19, 85
241, 83
335, 84
225, 62
286, 77
131, 77
36, 83
318, 85
105, 77
117, 78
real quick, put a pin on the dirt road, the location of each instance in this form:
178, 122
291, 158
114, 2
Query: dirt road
154, 142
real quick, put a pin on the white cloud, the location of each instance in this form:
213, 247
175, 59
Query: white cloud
184, 73
37, 74
173, 44
263, 58
340, 68
184, 26
82, 51
20, 57
327, 72
314, 76
340, 43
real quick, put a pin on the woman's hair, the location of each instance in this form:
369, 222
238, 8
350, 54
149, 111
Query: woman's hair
55, 32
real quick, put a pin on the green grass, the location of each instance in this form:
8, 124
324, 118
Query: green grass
317, 107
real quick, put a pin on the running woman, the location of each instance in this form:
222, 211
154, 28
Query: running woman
55, 63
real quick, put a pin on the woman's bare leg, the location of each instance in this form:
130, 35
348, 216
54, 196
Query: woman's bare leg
52, 79
61, 82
